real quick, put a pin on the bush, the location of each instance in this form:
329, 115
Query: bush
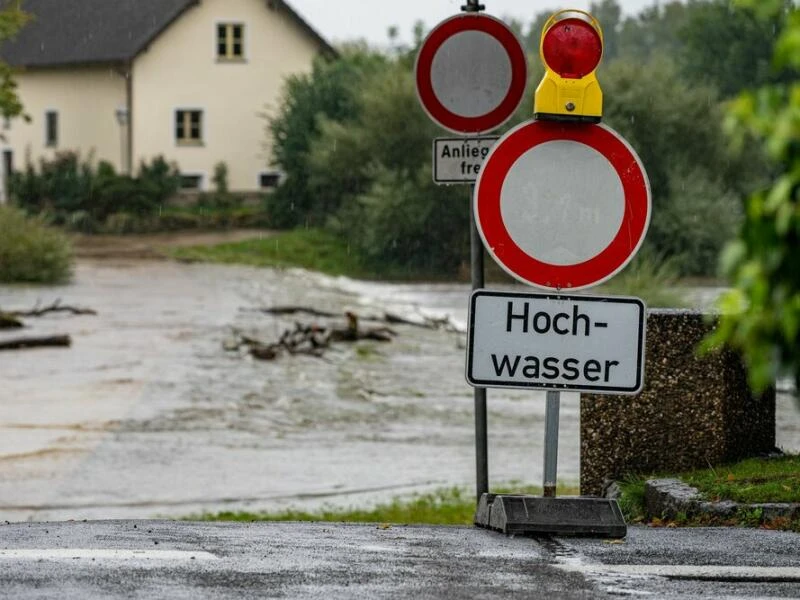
30, 251
329, 92
75, 193
408, 222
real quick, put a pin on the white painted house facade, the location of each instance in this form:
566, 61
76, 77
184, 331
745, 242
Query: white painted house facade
128, 80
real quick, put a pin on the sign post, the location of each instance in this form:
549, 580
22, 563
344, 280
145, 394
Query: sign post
471, 74
551, 418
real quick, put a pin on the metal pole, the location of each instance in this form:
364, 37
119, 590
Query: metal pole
476, 264
551, 443
481, 435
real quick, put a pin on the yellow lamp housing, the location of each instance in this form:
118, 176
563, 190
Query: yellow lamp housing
571, 49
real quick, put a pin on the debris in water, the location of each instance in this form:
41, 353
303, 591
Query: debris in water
311, 340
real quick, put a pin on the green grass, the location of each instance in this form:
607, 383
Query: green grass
451, 506
30, 252
311, 249
752, 481
319, 250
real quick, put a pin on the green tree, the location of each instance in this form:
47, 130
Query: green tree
374, 173
654, 31
329, 91
761, 315
609, 13
727, 46
677, 131
12, 19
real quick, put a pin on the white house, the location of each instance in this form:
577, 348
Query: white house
127, 80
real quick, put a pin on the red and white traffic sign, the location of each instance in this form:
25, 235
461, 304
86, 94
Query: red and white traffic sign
471, 73
562, 206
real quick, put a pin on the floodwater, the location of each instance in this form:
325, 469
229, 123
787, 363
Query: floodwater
147, 414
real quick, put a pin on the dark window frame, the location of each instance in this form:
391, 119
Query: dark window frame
269, 180
196, 180
230, 41
51, 128
189, 126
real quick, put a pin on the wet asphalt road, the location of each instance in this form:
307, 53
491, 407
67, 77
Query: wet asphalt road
159, 559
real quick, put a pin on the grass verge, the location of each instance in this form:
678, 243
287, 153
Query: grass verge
311, 249
450, 506
752, 481
318, 250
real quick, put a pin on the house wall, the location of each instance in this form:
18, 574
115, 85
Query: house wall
181, 71
86, 99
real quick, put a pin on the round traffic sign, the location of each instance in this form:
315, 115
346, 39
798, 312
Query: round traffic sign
562, 205
471, 73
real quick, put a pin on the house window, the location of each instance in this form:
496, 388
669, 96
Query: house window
189, 127
191, 182
230, 41
51, 128
268, 181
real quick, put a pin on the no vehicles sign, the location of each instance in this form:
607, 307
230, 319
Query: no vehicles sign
540, 341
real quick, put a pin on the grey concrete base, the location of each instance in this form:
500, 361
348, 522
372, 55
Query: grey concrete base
534, 515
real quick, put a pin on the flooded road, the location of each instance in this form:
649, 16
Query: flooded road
147, 415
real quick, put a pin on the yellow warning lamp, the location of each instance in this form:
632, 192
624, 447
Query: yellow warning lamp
571, 48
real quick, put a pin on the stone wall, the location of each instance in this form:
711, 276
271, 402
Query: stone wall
693, 412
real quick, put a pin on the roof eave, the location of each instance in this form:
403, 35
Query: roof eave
145, 44
105, 62
327, 49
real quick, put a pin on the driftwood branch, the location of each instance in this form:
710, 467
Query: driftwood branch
282, 311
310, 340
36, 342
38, 310
424, 322
8, 321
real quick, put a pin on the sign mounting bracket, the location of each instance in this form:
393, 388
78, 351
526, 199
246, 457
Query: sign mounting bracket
473, 6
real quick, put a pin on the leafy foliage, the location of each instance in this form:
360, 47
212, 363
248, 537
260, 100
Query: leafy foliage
761, 316
30, 252
729, 47
12, 19
329, 91
356, 146
381, 195
677, 131
72, 191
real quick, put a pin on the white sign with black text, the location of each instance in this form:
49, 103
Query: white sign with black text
459, 160
555, 342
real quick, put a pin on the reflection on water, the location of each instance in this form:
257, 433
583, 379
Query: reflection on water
147, 414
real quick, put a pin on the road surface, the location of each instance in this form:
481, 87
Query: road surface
161, 559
